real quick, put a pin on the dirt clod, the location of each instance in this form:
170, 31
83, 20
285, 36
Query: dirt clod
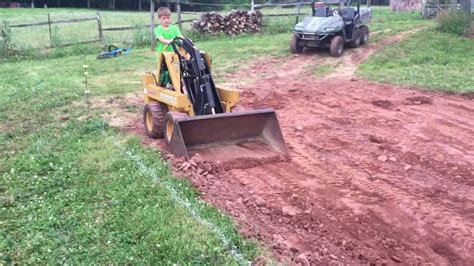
382, 158
302, 260
383, 104
260, 202
395, 258
197, 158
289, 211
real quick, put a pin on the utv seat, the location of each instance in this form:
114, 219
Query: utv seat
348, 15
323, 12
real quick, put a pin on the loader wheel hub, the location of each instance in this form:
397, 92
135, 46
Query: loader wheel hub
169, 130
149, 120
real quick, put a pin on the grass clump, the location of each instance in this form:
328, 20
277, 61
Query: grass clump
454, 21
429, 59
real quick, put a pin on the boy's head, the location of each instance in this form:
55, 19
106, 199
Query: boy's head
164, 14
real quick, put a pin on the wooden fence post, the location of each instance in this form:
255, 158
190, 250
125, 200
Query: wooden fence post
298, 12
152, 25
101, 33
50, 34
178, 10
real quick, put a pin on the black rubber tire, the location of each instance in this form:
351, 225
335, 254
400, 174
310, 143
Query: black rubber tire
237, 108
336, 48
112, 47
170, 123
295, 48
103, 55
356, 40
154, 119
364, 34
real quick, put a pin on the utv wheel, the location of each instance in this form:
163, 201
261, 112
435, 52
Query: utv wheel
337, 46
295, 46
170, 122
356, 40
364, 34
154, 119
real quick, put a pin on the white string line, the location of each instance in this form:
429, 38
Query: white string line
183, 202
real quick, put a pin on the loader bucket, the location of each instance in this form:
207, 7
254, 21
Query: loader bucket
223, 137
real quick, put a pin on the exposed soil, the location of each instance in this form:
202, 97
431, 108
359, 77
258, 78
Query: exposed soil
375, 174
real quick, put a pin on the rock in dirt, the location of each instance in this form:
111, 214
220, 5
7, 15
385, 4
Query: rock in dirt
302, 260
265, 210
393, 159
260, 202
407, 167
332, 256
293, 248
395, 258
207, 167
289, 211
299, 128
382, 158
197, 158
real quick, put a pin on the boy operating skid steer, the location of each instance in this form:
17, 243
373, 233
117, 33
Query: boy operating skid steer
165, 33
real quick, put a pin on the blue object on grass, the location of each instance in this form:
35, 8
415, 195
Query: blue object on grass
114, 51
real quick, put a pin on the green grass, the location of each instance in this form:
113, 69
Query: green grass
71, 193
29, 39
386, 23
324, 70
77, 197
429, 59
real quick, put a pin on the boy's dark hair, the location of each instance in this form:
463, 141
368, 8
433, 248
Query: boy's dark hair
163, 11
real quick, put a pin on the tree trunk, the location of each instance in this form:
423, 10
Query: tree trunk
111, 4
140, 5
88, 3
32, 3
58, 4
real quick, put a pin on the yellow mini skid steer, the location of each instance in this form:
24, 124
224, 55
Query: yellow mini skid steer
183, 105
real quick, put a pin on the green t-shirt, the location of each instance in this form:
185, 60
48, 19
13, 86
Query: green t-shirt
169, 33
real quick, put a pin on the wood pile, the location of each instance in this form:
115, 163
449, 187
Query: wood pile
234, 23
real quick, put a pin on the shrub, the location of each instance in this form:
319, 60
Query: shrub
454, 21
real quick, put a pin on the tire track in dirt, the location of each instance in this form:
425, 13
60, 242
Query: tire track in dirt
351, 60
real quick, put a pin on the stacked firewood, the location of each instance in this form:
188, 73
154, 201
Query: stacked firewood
234, 23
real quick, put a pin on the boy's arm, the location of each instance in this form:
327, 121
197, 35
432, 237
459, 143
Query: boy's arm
163, 40
159, 36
